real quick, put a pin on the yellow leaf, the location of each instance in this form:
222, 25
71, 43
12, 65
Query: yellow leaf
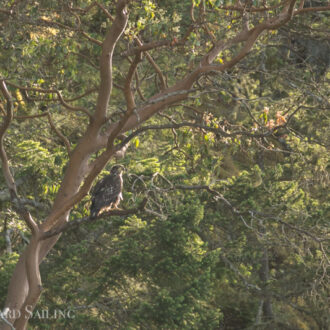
137, 143
19, 96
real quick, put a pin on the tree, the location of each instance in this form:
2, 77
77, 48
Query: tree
53, 51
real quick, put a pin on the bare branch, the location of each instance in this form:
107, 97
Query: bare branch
301, 5
138, 88
105, 11
311, 9
70, 107
180, 89
77, 222
157, 69
34, 281
249, 36
218, 130
145, 47
205, 25
89, 91
130, 102
152, 106
5, 163
216, 194
49, 22
49, 91
5, 11
154, 65
93, 40
157, 44
295, 228
108, 46
192, 14
58, 133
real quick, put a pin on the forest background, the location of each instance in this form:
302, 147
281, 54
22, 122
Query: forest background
219, 111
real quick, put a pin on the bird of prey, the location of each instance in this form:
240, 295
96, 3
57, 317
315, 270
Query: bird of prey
107, 193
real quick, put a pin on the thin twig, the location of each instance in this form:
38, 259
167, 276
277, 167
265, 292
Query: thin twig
59, 133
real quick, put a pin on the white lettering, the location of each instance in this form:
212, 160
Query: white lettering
60, 313
28, 309
71, 316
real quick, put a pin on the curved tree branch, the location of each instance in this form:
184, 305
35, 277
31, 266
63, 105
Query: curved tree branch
77, 222
113, 35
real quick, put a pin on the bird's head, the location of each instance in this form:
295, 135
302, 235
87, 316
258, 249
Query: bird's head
117, 169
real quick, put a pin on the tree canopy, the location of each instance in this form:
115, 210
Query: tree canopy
219, 112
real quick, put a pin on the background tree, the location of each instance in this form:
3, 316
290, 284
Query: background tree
232, 162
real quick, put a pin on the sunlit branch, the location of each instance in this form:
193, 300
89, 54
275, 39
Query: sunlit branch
77, 222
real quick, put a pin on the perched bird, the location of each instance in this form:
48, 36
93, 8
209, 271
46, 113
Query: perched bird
107, 193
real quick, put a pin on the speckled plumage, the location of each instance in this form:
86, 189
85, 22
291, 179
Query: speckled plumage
107, 193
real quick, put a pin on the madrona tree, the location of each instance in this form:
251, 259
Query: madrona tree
106, 67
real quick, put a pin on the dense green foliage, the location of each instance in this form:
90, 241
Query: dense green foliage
234, 224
